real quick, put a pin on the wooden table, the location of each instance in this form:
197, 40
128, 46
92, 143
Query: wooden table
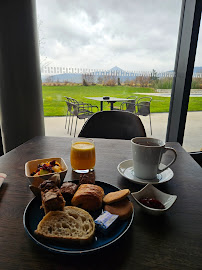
171, 241
111, 100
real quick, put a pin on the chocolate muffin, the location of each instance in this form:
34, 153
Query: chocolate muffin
87, 178
47, 185
68, 189
52, 200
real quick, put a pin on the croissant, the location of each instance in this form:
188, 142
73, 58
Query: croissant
88, 197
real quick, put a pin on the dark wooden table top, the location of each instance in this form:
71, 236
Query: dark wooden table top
170, 241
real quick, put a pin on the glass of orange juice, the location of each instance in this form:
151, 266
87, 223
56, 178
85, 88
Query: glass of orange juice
82, 155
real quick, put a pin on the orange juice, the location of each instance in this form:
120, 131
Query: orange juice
82, 155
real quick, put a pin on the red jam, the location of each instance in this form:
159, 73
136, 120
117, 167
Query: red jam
152, 203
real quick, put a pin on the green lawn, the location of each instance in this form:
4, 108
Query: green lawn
54, 101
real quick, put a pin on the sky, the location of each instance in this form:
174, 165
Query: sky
135, 35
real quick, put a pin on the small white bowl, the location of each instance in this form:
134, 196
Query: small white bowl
149, 191
31, 166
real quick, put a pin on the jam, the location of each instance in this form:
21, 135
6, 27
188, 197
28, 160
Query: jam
152, 203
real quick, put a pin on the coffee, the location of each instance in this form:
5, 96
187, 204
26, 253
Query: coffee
147, 143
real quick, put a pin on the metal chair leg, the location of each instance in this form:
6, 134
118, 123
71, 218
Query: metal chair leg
150, 123
71, 125
68, 130
75, 127
66, 120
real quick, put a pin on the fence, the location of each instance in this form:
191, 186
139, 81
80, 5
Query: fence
63, 70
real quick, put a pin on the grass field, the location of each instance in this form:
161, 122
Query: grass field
54, 101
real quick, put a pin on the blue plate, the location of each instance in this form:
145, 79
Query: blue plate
33, 215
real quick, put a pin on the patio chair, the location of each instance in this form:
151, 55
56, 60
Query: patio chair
129, 105
73, 100
143, 108
70, 101
81, 111
113, 125
69, 114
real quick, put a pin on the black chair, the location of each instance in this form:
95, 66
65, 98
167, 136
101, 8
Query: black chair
197, 156
113, 125
143, 108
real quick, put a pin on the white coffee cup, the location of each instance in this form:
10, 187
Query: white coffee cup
147, 154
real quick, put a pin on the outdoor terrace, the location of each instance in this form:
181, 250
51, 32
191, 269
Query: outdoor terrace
55, 126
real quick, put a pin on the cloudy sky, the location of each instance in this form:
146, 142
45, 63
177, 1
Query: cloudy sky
138, 35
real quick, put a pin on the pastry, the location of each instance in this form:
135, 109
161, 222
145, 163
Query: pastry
52, 200
123, 208
87, 178
116, 196
47, 185
88, 197
68, 189
73, 225
39, 184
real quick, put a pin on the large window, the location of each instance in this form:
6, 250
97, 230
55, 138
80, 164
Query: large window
186, 78
138, 39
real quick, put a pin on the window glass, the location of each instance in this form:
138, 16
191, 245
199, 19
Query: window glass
193, 136
117, 48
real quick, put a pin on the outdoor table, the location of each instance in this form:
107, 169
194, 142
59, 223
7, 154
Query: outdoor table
111, 100
170, 241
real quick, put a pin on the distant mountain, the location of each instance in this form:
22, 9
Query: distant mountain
198, 70
116, 69
68, 77
77, 77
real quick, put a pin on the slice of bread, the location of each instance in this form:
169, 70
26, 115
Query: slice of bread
73, 224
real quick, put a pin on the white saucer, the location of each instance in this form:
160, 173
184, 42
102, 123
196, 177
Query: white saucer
125, 168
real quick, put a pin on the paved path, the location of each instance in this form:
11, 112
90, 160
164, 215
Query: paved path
168, 94
55, 126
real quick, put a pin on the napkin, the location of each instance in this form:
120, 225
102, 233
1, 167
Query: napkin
2, 177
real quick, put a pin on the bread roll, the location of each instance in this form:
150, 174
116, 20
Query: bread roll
73, 225
88, 197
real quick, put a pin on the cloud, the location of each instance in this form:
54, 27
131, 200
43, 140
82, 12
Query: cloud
132, 34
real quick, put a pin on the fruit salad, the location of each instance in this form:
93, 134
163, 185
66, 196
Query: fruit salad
47, 167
